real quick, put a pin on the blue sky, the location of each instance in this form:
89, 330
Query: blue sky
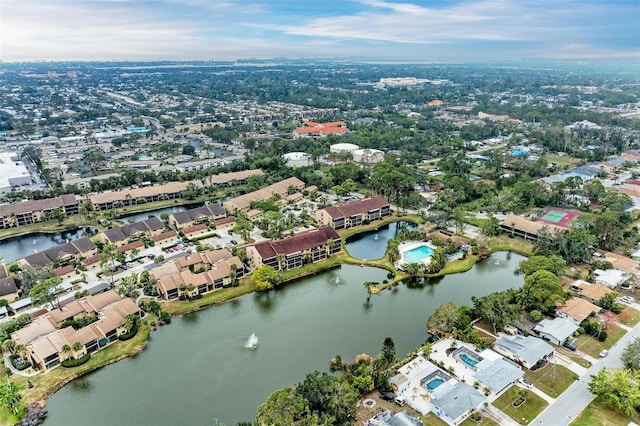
438, 30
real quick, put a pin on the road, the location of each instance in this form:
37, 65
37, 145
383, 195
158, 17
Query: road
575, 399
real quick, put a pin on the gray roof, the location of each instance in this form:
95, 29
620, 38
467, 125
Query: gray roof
460, 399
530, 349
498, 374
21, 303
404, 418
558, 328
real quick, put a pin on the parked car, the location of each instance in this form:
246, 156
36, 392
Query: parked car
569, 345
399, 401
151, 256
628, 299
130, 265
218, 247
525, 383
604, 353
387, 396
141, 260
234, 242
124, 267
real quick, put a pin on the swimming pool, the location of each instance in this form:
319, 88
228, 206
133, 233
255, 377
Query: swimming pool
468, 360
434, 383
418, 254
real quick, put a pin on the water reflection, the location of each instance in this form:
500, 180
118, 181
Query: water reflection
373, 244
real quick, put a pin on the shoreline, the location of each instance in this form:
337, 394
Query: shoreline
248, 288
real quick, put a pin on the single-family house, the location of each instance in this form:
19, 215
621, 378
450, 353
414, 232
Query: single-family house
556, 330
527, 351
454, 403
592, 292
577, 309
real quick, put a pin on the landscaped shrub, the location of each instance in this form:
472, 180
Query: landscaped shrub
19, 366
75, 362
130, 334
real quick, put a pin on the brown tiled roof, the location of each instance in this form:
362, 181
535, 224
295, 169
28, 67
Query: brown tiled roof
593, 291
279, 188
97, 302
528, 226
84, 245
195, 228
224, 221
125, 248
37, 205
164, 236
39, 327
578, 308
3, 270
356, 207
8, 286
91, 260
299, 242
64, 270
224, 178
149, 191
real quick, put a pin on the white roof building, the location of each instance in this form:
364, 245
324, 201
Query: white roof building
343, 147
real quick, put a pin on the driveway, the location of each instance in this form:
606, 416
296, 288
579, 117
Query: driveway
576, 398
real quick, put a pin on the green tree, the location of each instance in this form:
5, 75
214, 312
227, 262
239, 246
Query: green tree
10, 397
444, 318
554, 264
45, 292
618, 388
388, 353
329, 396
286, 407
631, 355
541, 290
266, 277
499, 309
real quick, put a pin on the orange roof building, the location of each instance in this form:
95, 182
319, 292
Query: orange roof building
311, 128
435, 103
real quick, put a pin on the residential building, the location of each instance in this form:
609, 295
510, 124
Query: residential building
556, 330
192, 217
309, 246
525, 350
46, 343
198, 273
61, 255
9, 288
592, 292
132, 197
577, 309
612, 278
454, 403
497, 374
28, 212
132, 232
527, 229
354, 213
279, 189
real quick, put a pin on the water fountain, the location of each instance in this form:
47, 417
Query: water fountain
376, 237
252, 342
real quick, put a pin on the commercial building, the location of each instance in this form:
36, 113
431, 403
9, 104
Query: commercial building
314, 129
13, 172
297, 159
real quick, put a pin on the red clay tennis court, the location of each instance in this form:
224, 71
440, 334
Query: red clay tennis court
557, 216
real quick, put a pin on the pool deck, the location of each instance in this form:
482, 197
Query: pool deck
406, 246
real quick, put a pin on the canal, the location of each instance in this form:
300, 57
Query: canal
197, 370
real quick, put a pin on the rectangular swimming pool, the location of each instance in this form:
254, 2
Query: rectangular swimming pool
418, 254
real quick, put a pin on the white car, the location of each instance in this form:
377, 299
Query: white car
604, 353
628, 299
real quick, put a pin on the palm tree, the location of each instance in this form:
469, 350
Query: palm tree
77, 347
8, 345
129, 322
65, 349
281, 258
368, 285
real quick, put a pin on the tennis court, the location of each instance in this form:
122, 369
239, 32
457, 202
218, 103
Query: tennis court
558, 216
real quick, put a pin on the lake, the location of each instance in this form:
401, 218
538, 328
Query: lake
373, 244
197, 370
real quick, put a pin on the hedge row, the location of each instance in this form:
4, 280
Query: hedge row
130, 334
76, 362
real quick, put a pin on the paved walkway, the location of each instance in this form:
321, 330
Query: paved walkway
497, 416
538, 392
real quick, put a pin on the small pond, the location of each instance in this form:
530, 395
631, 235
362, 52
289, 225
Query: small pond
373, 244
14, 248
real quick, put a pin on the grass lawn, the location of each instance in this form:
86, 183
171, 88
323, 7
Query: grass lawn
597, 414
45, 384
563, 160
6, 418
573, 356
551, 382
177, 307
485, 421
635, 316
526, 412
505, 243
592, 346
430, 419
